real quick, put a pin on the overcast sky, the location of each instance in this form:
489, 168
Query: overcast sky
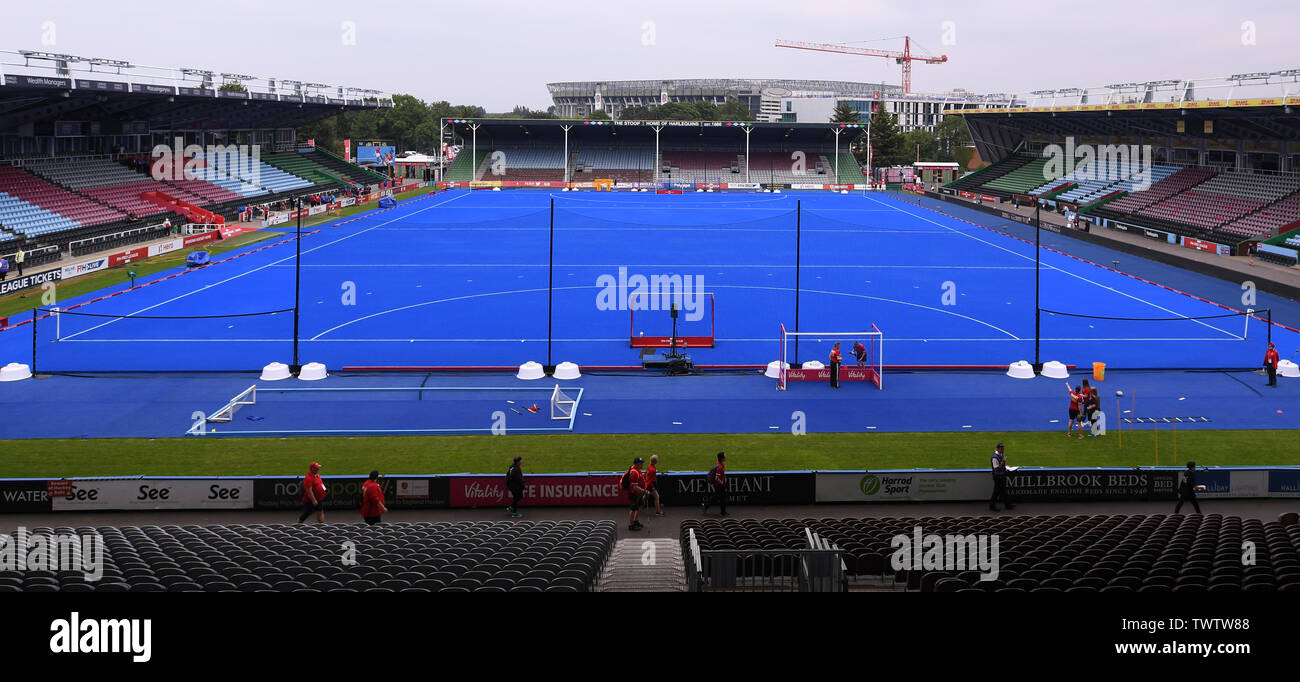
501, 53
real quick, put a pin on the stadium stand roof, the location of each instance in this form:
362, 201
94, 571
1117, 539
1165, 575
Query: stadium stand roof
1248, 108
540, 132
43, 93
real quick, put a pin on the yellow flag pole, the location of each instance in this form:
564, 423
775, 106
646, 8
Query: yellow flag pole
1119, 424
1157, 432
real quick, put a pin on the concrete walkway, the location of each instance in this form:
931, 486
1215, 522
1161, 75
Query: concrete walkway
644, 565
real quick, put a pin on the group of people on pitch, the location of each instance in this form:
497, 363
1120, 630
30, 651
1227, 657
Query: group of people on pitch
859, 352
1084, 405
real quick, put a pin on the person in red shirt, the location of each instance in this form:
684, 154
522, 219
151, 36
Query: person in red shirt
635, 493
1076, 400
860, 352
372, 499
1270, 364
835, 365
717, 480
313, 494
650, 475
1085, 407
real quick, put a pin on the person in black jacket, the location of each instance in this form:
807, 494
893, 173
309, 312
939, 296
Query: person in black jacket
515, 484
1187, 489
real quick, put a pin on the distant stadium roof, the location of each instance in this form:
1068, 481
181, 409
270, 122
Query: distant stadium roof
47, 87
733, 86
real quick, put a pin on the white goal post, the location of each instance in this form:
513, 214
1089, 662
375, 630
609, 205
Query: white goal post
870, 368
562, 405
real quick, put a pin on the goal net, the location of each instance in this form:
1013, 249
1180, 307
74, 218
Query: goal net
652, 321
794, 345
562, 405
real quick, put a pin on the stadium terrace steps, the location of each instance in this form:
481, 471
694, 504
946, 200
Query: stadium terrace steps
1008, 164
1018, 181
297, 164
463, 167
848, 171
628, 571
255, 172
351, 171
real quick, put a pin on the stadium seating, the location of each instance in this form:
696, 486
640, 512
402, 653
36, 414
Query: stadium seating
620, 165
463, 168
544, 556
1073, 553
303, 167
975, 181
341, 168
1093, 181
778, 167
694, 166
849, 171
522, 163
255, 173
1163, 189
35, 207
1018, 181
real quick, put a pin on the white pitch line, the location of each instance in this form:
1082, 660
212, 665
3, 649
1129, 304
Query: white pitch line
1061, 270
249, 272
709, 266
620, 339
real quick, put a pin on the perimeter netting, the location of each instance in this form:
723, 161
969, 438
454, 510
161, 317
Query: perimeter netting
862, 356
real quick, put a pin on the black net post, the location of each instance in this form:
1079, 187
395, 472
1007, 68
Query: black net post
297, 287
798, 235
1038, 311
550, 289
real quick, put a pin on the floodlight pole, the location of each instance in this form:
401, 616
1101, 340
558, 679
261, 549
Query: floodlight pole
566, 163
748, 130
297, 286
655, 175
837, 154
473, 151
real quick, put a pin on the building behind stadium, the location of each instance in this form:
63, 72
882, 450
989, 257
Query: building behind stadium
771, 100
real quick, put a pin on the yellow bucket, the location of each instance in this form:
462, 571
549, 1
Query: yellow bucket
1099, 371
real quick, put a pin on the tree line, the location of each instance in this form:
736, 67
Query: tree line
892, 147
412, 124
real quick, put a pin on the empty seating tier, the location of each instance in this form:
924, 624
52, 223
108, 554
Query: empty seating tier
543, 556
1117, 553
36, 207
